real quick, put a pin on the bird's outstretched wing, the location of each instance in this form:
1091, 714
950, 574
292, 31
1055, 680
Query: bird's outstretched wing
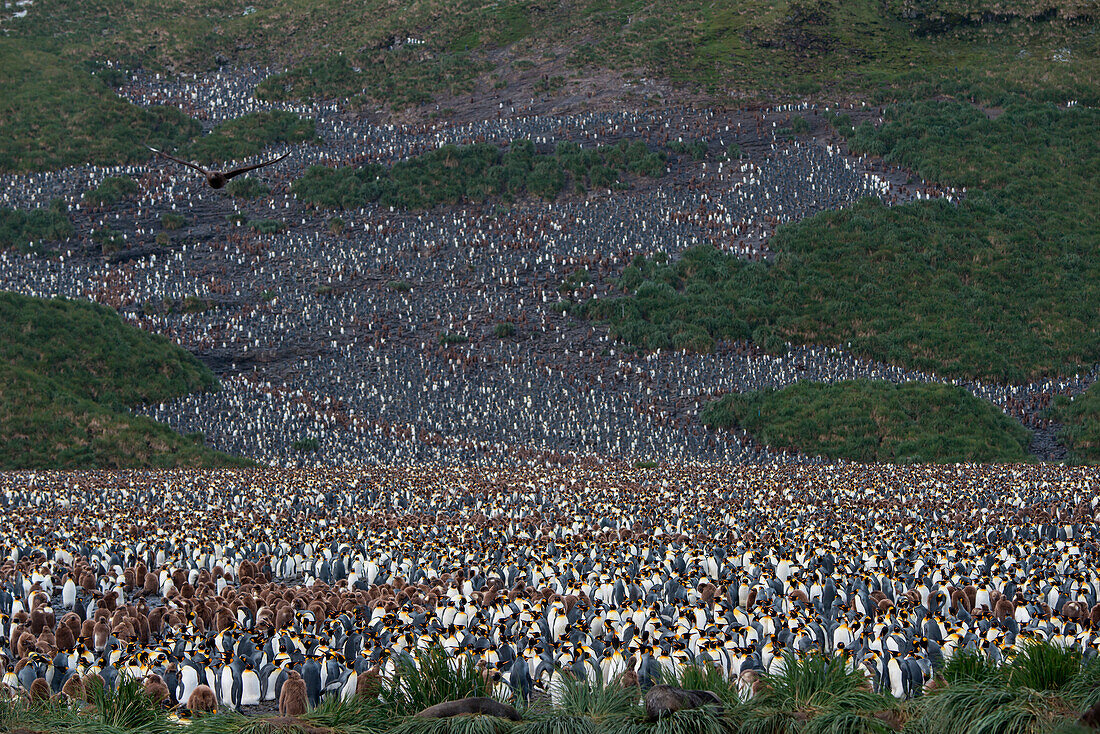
189, 164
246, 169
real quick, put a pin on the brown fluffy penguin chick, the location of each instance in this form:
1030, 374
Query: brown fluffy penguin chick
203, 699
89, 682
368, 684
155, 688
292, 699
64, 639
1002, 609
73, 690
73, 622
40, 690
629, 679
151, 585
87, 632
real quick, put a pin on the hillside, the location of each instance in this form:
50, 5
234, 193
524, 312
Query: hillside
69, 370
1080, 417
881, 422
59, 106
1002, 285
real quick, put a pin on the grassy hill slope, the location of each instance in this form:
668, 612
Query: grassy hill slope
68, 370
1004, 285
1081, 418
861, 420
400, 55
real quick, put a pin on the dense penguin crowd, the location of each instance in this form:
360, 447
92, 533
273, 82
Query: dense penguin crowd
248, 582
352, 335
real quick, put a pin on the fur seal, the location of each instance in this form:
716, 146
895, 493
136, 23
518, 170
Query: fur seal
474, 705
662, 700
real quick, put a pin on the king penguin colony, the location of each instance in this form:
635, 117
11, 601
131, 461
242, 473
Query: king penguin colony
229, 589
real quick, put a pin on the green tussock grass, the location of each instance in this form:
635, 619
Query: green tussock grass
249, 135
70, 371
475, 173
28, 230
869, 421
1043, 688
973, 667
54, 113
559, 723
1003, 285
46, 426
111, 190
1080, 416
430, 680
688, 721
247, 188
89, 349
593, 700
466, 724
815, 694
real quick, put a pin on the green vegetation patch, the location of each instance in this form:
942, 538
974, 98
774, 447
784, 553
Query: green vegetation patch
1043, 688
53, 114
305, 444
90, 351
247, 188
19, 228
111, 190
172, 221
1003, 285
266, 226
45, 425
874, 421
1080, 416
249, 135
68, 370
475, 173
109, 240
396, 78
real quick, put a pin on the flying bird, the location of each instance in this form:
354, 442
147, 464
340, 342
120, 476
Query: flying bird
217, 179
